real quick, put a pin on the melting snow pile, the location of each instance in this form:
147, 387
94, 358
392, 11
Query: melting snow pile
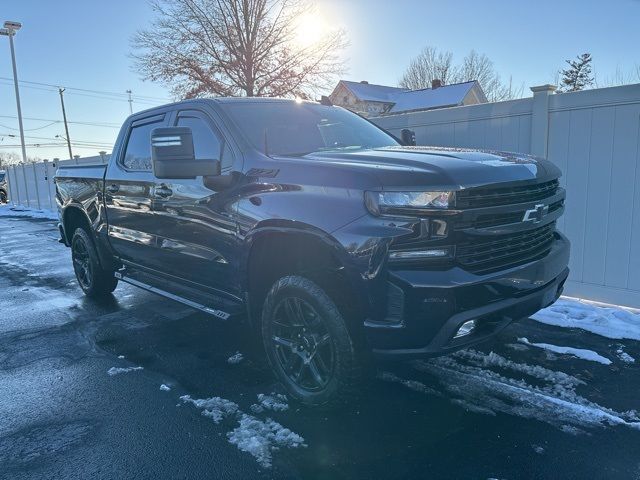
607, 321
165, 388
215, 408
235, 358
576, 352
18, 211
260, 438
252, 435
275, 402
118, 370
491, 384
624, 356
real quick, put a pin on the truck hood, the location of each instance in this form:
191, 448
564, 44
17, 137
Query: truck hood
453, 168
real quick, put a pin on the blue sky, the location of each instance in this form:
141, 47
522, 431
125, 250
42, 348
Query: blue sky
85, 44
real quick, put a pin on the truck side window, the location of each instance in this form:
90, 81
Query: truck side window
137, 156
207, 144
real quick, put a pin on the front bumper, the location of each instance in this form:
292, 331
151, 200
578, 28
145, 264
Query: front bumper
434, 304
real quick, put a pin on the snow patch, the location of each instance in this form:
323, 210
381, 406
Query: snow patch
606, 320
235, 358
216, 408
275, 402
165, 388
260, 438
118, 370
491, 384
576, 352
19, 211
624, 356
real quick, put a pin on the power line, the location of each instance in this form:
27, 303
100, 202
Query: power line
92, 124
87, 90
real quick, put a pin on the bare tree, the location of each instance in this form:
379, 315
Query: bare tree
620, 77
427, 66
235, 48
431, 64
477, 66
9, 158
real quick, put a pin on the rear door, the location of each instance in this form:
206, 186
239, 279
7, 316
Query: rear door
195, 224
129, 183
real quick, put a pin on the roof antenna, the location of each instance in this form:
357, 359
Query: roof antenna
266, 143
324, 100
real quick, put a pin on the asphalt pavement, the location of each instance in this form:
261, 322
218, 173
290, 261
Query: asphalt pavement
137, 386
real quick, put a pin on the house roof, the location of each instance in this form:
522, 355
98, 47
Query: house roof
404, 100
372, 93
444, 96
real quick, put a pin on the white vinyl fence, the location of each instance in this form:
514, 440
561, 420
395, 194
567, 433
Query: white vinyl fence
594, 137
31, 184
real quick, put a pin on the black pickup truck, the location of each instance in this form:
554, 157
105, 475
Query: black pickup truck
334, 242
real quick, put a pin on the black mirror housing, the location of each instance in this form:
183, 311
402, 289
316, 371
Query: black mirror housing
173, 156
408, 137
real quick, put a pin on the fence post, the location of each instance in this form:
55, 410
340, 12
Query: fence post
540, 119
35, 182
15, 188
23, 166
47, 177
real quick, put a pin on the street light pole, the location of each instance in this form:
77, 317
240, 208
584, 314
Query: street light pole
10, 29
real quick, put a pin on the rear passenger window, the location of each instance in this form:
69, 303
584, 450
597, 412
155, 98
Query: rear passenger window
137, 155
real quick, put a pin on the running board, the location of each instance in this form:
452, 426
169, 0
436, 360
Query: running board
185, 301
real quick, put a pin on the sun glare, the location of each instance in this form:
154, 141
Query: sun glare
310, 28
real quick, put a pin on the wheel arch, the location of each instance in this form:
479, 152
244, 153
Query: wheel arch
276, 248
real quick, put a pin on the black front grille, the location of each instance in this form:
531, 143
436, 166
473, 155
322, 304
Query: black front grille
497, 219
504, 251
493, 196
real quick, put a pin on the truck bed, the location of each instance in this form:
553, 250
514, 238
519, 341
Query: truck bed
90, 172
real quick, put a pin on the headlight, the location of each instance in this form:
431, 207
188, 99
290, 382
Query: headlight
405, 202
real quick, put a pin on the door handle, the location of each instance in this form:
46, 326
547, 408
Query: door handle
113, 188
162, 191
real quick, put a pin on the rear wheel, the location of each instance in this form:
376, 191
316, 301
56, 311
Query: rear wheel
308, 344
94, 280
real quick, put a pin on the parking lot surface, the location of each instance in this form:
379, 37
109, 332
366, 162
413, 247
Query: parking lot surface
140, 387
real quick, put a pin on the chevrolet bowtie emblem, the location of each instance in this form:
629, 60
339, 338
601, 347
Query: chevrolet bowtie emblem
536, 214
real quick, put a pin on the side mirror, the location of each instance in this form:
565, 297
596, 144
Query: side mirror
173, 156
408, 137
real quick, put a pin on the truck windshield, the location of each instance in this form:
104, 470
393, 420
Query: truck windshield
300, 128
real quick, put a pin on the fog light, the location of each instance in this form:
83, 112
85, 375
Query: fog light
465, 329
419, 254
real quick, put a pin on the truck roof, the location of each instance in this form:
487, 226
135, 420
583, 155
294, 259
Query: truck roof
224, 100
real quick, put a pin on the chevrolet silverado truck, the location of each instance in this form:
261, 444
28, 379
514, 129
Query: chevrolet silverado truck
334, 242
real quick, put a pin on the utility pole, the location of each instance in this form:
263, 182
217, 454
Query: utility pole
66, 127
9, 30
130, 102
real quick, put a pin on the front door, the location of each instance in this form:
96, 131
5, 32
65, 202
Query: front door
194, 221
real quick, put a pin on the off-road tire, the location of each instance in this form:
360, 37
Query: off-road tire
347, 369
94, 280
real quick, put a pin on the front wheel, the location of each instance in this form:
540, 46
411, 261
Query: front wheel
94, 280
308, 343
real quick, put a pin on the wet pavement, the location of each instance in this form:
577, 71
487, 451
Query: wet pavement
74, 404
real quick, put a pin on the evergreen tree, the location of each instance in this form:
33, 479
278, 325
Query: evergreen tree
578, 76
